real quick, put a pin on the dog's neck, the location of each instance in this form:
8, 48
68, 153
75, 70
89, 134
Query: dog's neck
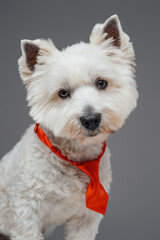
73, 148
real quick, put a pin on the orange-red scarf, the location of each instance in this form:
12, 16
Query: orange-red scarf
96, 196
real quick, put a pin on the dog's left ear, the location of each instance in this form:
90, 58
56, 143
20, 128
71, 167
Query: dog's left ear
111, 30
110, 34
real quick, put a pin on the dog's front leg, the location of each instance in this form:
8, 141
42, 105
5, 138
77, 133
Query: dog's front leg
26, 224
82, 228
29, 234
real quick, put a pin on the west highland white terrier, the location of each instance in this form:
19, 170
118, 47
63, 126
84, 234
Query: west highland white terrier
59, 172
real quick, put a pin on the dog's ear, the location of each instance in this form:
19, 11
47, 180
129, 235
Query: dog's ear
109, 33
30, 49
110, 37
34, 55
111, 30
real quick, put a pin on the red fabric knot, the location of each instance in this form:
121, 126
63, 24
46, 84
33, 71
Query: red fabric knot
96, 196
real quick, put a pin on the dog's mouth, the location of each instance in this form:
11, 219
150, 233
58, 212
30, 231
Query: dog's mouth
98, 132
92, 134
78, 131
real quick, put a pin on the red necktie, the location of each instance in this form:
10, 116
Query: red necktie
96, 196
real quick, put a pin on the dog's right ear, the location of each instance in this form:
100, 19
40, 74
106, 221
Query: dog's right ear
30, 49
34, 54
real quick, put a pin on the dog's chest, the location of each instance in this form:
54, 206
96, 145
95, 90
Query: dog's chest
64, 194
66, 180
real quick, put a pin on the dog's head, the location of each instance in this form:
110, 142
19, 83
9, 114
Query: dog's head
85, 91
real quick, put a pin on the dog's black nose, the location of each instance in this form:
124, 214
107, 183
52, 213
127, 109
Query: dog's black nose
91, 121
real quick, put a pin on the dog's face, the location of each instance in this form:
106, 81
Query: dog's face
85, 91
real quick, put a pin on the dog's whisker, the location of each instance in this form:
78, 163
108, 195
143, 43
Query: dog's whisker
76, 131
104, 129
108, 130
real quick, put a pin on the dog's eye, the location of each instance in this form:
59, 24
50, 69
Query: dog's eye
101, 84
63, 93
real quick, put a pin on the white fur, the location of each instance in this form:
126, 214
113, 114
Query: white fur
38, 189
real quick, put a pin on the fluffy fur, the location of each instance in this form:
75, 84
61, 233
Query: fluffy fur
38, 189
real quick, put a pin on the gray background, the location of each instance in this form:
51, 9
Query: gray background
133, 211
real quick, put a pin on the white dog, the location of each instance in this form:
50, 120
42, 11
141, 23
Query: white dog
78, 96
